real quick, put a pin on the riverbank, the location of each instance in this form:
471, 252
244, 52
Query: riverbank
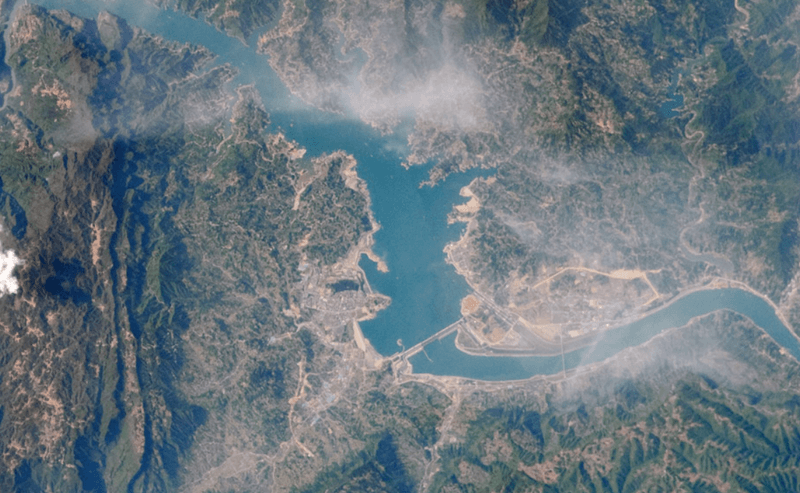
443, 358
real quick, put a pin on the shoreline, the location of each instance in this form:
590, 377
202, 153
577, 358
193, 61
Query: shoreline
466, 212
734, 285
365, 243
593, 366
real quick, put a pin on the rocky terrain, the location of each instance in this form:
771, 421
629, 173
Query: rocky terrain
187, 290
626, 136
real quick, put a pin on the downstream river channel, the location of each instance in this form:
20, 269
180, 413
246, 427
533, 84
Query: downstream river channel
425, 290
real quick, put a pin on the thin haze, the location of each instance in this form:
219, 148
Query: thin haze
401, 65
438, 87
446, 97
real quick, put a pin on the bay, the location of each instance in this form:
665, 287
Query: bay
425, 290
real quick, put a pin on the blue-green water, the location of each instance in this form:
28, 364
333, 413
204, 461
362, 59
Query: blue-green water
424, 289
675, 100
442, 357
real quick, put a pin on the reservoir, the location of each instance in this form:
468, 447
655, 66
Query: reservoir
425, 290
674, 99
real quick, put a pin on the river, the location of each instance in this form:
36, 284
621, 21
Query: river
425, 290
442, 357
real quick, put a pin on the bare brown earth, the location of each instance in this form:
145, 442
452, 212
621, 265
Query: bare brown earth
469, 305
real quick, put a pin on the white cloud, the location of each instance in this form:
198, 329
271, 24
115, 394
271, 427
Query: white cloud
446, 97
8, 261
